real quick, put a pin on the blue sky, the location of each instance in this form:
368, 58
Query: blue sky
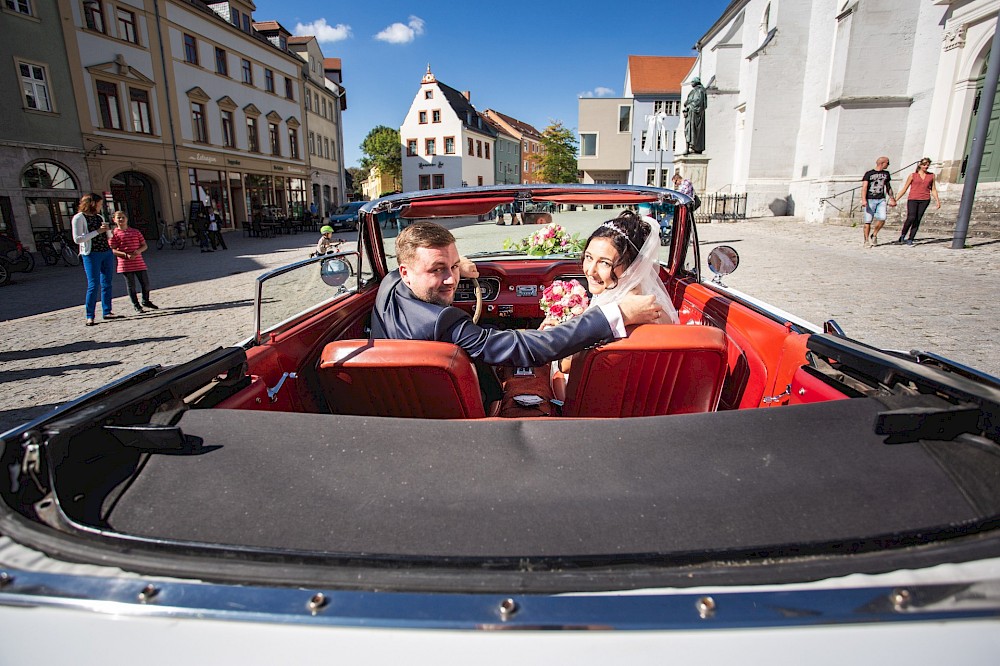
530, 60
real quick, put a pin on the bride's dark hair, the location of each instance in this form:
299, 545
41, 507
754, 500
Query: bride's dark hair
627, 233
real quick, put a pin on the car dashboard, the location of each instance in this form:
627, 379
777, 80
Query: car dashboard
512, 289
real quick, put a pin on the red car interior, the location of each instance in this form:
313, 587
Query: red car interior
656, 370
402, 378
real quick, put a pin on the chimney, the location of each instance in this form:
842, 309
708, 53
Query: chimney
467, 94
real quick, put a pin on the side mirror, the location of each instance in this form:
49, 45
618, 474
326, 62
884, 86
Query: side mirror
722, 260
334, 272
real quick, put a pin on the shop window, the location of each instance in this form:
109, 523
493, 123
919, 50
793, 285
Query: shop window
439, 181
47, 176
425, 181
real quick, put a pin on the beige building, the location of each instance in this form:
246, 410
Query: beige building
190, 105
605, 144
324, 101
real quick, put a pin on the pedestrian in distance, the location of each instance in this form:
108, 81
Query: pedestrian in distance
200, 227
877, 187
214, 233
922, 186
128, 244
91, 232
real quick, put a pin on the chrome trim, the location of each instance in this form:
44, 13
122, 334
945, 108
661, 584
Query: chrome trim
630, 612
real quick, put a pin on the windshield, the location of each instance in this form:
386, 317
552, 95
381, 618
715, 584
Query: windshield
528, 233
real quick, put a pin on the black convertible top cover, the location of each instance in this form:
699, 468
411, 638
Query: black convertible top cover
729, 481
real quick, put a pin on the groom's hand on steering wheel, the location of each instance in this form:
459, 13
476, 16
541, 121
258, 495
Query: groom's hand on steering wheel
638, 309
467, 268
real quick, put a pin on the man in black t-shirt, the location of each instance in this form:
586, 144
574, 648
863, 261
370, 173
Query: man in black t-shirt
876, 188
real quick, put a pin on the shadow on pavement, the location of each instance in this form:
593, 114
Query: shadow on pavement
55, 371
77, 347
12, 418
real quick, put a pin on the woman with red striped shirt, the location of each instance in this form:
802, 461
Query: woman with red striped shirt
128, 245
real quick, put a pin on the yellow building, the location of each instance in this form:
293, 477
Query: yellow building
378, 183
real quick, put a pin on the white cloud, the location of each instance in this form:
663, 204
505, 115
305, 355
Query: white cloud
323, 31
400, 33
599, 91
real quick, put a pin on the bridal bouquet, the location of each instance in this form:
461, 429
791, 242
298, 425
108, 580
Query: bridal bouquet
550, 239
562, 300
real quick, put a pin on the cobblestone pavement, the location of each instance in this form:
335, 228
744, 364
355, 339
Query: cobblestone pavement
926, 297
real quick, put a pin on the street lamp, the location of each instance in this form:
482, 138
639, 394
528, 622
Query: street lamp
99, 149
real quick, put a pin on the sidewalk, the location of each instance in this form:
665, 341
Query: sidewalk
48, 356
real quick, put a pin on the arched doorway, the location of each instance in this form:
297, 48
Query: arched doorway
137, 195
989, 172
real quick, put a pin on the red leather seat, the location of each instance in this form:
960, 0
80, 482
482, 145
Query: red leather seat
658, 369
402, 378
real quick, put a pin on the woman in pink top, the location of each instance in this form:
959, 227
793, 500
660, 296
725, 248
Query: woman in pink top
128, 245
921, 185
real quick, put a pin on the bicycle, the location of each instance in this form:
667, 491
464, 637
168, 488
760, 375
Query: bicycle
177, 242
51, 253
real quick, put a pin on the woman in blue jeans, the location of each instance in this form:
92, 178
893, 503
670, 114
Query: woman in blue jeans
91, 231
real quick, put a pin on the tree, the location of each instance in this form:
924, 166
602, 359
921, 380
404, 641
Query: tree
355, 177
557, 160
382, 149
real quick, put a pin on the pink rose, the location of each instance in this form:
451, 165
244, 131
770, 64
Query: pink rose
577, 310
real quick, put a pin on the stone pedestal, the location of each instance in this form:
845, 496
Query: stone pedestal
695, 169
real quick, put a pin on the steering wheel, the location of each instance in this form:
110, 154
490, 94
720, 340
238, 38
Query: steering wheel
479, 301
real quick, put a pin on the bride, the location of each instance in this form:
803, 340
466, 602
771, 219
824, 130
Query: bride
621, 257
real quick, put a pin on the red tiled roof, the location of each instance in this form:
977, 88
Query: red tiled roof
266, 25
519, 125
658, 74
303, 39
331, 63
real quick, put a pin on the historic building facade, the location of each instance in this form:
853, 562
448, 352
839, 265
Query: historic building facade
507, 160
43, 159
445, 142
166, 107
803, 96
324, 101
529, 138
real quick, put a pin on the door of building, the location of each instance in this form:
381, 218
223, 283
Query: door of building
989, 172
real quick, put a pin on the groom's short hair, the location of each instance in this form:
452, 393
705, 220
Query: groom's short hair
420, 234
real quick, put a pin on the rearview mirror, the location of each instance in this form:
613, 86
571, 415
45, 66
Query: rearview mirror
334, 272
723, 260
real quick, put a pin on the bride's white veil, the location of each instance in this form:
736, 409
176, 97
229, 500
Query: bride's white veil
644, 273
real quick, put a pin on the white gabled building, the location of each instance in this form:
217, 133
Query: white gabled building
445, 142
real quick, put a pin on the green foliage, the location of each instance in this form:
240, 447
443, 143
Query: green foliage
355, 177
381, 148
557, 160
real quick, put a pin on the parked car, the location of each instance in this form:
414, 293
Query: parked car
741, 487
346, 216
14, 258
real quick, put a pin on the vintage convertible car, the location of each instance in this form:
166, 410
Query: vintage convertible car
739, 486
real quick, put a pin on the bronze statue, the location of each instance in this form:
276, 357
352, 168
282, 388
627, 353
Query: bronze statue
694, 118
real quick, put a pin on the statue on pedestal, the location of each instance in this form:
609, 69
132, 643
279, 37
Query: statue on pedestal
694, 118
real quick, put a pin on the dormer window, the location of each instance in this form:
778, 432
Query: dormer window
428, 94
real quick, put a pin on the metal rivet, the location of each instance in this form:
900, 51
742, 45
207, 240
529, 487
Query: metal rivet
706, 607
900, 599
5, 579
317, 602
148, 593
507, 609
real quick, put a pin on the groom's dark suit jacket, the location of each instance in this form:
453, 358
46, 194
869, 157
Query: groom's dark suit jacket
401, 315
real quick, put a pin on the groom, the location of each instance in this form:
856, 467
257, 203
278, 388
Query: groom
414, 303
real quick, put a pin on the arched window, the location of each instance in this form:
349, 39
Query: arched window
47, 176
